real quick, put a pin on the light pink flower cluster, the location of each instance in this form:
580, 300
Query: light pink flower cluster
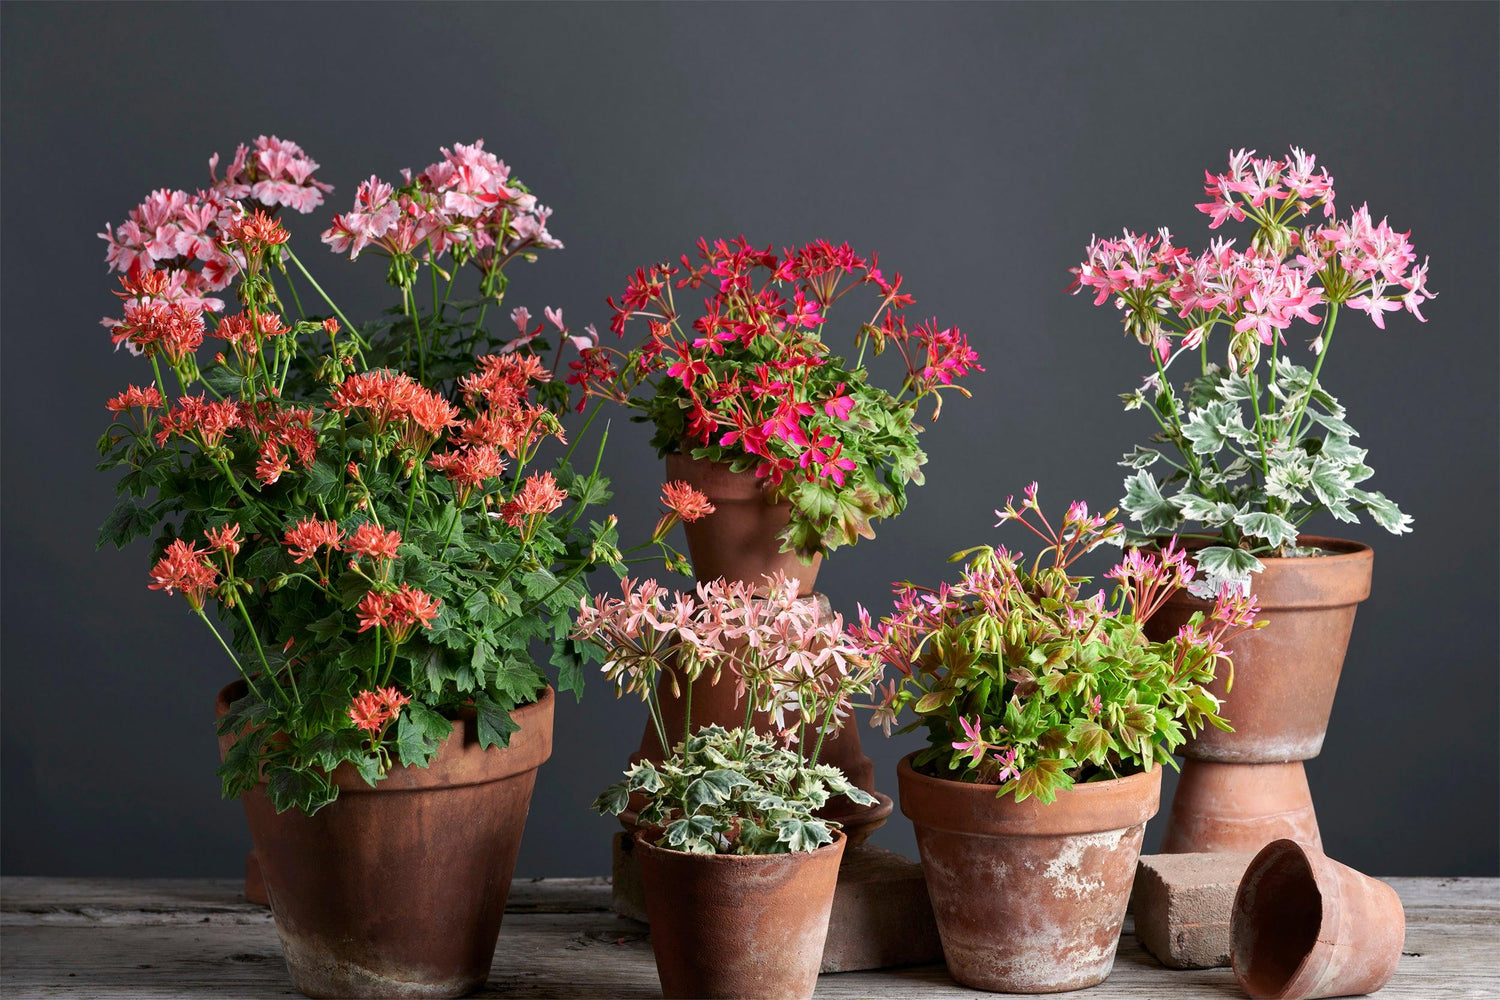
1150, 578
183, 235
1284, 275
793, 660
275, 172
467, 205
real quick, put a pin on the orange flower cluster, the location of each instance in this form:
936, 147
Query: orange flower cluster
538, 495
246, 333
373, 710
200, 420
398, 612
135, 397
185, 567
392, 398
307, 536
371, 542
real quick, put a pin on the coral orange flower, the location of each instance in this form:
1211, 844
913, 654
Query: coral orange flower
539, 495
308, 535
371, 542
686, 502
225, 538
183, 567
135, 397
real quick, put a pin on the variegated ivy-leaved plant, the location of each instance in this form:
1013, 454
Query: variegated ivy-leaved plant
1251, 453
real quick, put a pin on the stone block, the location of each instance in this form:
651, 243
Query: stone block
1182, 905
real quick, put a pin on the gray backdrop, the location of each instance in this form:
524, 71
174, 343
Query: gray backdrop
974, 147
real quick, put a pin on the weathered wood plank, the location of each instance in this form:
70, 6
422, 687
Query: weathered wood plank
83, 939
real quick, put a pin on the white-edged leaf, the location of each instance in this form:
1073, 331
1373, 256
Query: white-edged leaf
1277, 531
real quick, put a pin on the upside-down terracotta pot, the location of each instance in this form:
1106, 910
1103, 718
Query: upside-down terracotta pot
398, 890
1029, 898
719, 704
738, 542
1305, 926
728, 925
1285, 677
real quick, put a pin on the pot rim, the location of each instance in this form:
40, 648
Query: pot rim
1338, 578
742, 860
528, 749
969, 808
1336, 548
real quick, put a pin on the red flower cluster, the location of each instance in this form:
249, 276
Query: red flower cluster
185, 567
398, 612
307, 536
685, 502
766, 311
373, 710
156, 321
247, 334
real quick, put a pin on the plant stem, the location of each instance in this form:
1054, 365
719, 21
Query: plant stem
233, 659
353, 330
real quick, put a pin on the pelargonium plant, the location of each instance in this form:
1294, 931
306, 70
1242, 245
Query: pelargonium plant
1023, 682
732, 791
381, 552
751, 382
1259, 449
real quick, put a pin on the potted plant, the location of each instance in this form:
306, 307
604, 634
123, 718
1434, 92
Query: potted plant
375, 557
737, 866
1249, 451
797, 449
1047, 714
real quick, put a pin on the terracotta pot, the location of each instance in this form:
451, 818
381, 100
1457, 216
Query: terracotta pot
738, 541
726, 925
717, 704
1285, 677
1029, 898
1238, 807
398, 890
1305, 926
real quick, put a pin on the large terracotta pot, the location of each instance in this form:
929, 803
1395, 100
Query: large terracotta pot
1305, 926
719, 704
1029, 898
726, 925
398, 890
738, 541
1285, 677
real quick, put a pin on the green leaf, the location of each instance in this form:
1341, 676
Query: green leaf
614, 800
495, 723
128, 521
1277, 531
1043, 779
300, 788
1385, 512
802, 835
418, 733
1144, 502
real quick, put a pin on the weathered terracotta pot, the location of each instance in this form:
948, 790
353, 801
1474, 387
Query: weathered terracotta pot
738, 541
1285, 677
398, 890
718, 704
1220, 807
725, 925
1029, 898
1305, 926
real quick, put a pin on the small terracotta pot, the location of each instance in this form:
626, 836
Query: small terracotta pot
1305, 926
727, 925
1029, 898
738, 541
1236, 807
1285, 677
399, 890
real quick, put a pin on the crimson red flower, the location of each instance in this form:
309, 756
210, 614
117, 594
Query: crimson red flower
184, 567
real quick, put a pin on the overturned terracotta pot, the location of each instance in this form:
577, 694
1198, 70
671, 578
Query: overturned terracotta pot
738, 542
1029, 898
1236, 807
1305, 926
1285, 678
399, 890
726, 925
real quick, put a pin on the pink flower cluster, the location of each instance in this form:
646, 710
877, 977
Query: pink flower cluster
1284, 275
467, 205
1149, 579
183, 235
793, 660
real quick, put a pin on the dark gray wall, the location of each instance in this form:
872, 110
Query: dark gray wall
975, 147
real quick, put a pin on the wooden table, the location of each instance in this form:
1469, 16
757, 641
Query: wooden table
137, 938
